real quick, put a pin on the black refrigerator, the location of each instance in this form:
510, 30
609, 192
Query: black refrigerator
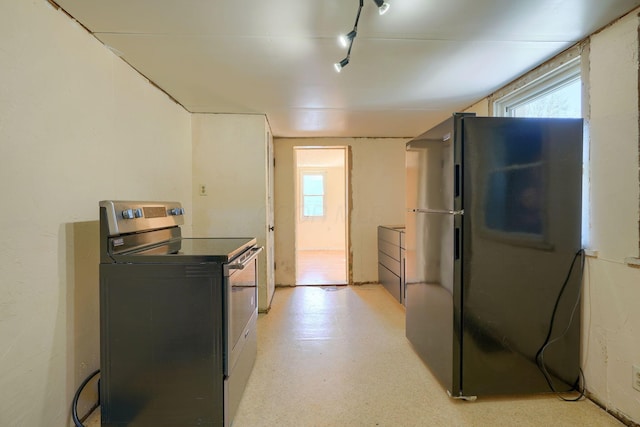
493, 227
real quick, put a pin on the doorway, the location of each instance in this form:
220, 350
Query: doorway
321, 233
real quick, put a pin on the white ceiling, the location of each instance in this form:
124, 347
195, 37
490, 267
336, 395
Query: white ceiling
409, 68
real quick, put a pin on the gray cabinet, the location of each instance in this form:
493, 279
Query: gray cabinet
391, 260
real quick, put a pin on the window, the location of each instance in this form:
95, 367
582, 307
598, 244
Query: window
313, 194
555, 94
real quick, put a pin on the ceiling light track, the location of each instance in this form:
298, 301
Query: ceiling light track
346, 41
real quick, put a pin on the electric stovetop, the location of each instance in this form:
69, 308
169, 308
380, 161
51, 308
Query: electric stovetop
191, 250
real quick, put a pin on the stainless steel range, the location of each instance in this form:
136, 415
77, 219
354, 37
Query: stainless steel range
177, 319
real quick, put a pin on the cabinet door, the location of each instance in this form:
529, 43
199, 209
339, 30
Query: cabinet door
390, 281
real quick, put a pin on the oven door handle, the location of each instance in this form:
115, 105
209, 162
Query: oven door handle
241, 265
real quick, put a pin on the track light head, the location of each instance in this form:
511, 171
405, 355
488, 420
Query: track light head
340, 65
383, 6
345, 40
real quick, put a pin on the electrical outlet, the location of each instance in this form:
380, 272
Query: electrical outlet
636, 377
203, 190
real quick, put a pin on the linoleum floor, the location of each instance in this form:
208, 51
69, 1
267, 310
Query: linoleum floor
337, 356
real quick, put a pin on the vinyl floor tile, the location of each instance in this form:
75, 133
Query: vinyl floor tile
337, 356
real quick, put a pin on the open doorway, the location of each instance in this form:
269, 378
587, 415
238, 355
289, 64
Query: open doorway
321, 215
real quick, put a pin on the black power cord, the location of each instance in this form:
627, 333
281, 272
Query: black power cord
74, 405
580, 384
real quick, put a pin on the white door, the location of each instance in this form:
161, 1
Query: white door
270, 221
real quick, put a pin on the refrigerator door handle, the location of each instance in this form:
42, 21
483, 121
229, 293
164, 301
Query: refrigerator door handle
437, 211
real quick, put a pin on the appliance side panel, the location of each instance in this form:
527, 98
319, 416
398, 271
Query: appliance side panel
522, 222
161, 345
457, 253
429, 252
430, 169
429, 302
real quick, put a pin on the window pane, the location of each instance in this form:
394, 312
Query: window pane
313, 206
312, 185
563, 102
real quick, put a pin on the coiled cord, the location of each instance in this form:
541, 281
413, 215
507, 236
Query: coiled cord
579, 384
74, 405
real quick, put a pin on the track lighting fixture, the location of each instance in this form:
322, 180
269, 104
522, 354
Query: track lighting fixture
346, 41
383, 6
340, 65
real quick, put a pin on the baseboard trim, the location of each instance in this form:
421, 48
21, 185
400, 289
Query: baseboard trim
614, 413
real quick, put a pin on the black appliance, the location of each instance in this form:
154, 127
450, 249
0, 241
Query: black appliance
493, 224
177, 319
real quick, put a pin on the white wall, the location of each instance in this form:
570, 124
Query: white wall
612, 288
377, 179
77, 125
230, 159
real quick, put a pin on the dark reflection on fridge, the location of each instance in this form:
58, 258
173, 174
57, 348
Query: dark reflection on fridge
515, 181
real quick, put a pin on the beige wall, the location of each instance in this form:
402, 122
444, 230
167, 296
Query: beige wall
481, 108
230, 159
377, 197
77, 125
611, 319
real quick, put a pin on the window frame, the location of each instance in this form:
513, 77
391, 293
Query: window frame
557, 78
313, 172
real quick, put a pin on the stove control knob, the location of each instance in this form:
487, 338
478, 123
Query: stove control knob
138, 213
176, 211
127, 214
